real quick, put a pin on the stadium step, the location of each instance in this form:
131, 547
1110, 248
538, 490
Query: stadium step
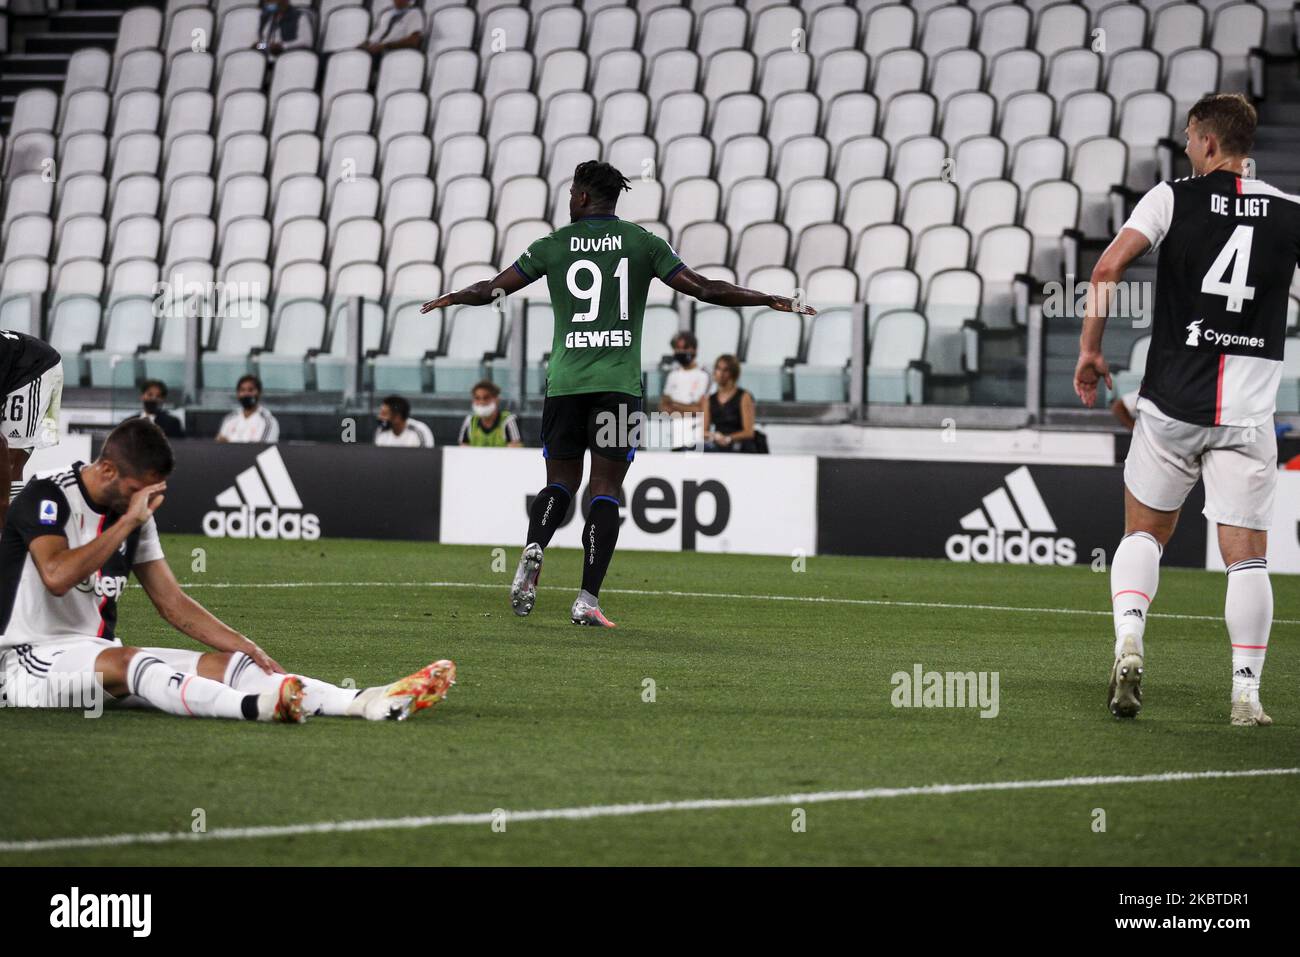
12, 84
53, 65
69, 43
119, 5
85, 21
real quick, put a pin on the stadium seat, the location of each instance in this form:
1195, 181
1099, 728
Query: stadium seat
1051, 208
952, 303
770, 346
1131, 71
1131, 376
881, 246
74, 323
897, 349
718, 329
940, 247
25, 282
1288, 393
539, 328
474, 335
128, 329
822, 376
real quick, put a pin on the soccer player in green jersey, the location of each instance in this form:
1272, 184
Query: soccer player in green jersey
598, 270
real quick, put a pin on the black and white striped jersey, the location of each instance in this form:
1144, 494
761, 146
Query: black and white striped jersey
1228, 247
56, 503
23, 359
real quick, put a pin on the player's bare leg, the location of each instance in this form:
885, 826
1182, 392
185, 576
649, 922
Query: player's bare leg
563, 479
1248, 611
1134, 575
599, 537
134, 671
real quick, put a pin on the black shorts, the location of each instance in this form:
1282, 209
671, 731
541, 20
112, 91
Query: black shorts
608, 423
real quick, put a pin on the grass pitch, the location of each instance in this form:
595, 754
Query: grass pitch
752, 697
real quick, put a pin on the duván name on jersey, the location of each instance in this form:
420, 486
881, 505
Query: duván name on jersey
598, 244
1238, 206
1013, 548
268, 523
73, 910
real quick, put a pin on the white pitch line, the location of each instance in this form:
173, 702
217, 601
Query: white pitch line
617, 810
726, 595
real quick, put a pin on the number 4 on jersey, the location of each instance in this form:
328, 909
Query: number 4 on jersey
1235, 254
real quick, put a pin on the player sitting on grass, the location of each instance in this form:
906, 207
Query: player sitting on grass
72, 538
598, 271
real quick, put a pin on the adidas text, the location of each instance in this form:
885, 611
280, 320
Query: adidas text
1014, 548
246, 522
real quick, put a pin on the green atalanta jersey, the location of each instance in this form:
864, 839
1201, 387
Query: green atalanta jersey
598, 270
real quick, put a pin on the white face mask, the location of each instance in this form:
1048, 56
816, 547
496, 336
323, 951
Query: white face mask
483, 410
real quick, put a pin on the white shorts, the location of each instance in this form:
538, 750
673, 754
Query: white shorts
1239, 465
61, 674
29, 415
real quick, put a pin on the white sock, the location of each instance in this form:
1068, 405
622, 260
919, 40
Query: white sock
1134, 575
185, 693
1248, 611
319, 697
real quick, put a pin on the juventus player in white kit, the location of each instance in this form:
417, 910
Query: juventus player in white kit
72, 538
1228, 248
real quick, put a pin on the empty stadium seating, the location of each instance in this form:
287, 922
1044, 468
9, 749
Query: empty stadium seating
921, 159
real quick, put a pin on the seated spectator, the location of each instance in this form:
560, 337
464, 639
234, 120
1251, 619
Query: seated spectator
283, 27
398, 27
251, 422
487, 426
152, 396
686, 392
729, 421
398, 430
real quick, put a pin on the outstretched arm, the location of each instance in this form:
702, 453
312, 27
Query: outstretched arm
1092, 366
722, 293
481, 293
190, 618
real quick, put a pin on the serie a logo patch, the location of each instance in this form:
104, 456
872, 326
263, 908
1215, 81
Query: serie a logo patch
49, 512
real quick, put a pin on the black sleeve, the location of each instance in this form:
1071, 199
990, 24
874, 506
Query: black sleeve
41, 508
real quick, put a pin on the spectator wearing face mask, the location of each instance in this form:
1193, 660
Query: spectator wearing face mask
152, 396
282, 27
398, 430
251, 422
487, 426
686, 392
